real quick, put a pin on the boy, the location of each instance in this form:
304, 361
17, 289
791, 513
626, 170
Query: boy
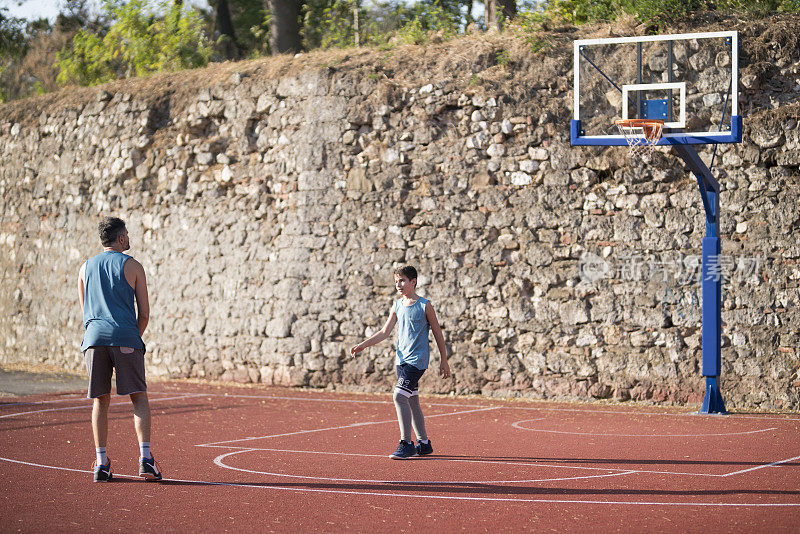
416, 317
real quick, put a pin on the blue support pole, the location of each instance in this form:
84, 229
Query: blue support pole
711, 280
712, 325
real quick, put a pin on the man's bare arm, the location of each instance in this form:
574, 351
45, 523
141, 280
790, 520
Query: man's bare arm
134, 274
81, 285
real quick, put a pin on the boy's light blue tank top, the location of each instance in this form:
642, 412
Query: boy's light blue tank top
412, 334
108, 299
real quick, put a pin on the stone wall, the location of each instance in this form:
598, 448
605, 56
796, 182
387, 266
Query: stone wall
270, 201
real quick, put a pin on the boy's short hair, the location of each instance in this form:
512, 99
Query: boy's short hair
408, 271
110, 228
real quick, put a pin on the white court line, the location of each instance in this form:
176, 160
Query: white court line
775, 417
773, 464
83, 406
352, 425
441, 497
219, 461
519, 423
545, 408
50, 401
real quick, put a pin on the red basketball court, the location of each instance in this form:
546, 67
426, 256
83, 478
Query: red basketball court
270, 459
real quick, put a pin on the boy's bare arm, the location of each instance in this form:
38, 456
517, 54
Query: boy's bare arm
382, 334
430, 314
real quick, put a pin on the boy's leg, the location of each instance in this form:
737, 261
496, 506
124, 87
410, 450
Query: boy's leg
417, 419
404, 416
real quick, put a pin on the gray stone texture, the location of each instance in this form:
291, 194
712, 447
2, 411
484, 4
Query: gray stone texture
270, 208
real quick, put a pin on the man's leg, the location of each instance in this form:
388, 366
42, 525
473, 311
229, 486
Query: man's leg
102, 465
100, 368
148, 468
141, 416
100, 420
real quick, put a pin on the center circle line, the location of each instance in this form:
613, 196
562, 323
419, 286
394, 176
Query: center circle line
219, 461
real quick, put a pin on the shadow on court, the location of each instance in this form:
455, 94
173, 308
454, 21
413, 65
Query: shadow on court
18, 383
467, 488
624, 462
118, 413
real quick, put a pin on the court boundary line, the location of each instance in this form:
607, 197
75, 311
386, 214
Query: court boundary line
85, 406
779, 416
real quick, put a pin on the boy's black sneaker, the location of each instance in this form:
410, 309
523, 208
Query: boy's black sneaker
102, 473
424, 449
404, 450
148, 469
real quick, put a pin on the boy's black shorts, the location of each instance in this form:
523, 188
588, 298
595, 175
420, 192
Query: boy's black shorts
408, 378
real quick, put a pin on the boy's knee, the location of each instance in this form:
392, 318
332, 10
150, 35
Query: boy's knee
400, 396
103, 401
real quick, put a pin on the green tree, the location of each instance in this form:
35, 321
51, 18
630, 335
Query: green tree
654, 12
332, 23
143, 39
251, 23
284, 26
341, 23
429, 17
227, 42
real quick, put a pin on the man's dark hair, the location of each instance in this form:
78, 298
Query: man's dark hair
110, 228
408, 271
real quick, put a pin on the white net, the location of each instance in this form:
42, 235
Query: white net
642, 136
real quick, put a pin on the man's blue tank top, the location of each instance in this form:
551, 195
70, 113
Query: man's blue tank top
108, 313
412, 334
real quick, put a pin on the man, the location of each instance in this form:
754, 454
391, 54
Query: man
108, 284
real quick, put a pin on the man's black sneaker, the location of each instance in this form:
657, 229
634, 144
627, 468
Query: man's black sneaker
424, 449
148, 469
404, 450
102, 473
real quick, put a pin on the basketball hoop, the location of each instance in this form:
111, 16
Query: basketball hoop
642, 136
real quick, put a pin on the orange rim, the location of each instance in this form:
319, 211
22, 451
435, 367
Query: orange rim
638, 123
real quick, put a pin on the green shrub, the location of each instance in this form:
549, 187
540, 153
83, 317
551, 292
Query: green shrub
428, 19
529, 24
